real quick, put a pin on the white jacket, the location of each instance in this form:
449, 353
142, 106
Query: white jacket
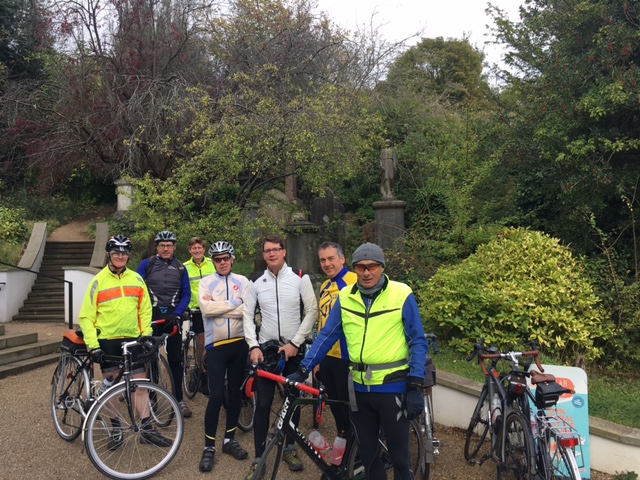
279, 299
222, 315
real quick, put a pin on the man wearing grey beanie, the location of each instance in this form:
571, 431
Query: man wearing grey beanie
380, 320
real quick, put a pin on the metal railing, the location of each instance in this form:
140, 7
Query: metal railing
68, 282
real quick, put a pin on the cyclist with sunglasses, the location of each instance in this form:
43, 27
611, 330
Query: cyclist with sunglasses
221, 299
288, 309
386, 345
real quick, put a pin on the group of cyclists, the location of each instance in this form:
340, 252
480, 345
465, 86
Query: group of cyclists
370, 350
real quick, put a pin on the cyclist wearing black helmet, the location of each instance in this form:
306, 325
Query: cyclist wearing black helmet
168, 284
116, 308
221, 299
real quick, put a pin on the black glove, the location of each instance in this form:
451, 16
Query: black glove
300, 375
171, 320
97, 355
413, 399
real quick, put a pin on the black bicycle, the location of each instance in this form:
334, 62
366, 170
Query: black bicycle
192, 361
526, 442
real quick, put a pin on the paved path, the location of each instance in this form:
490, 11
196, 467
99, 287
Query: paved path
31, 449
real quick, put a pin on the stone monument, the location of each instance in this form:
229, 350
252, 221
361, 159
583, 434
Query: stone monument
389, 210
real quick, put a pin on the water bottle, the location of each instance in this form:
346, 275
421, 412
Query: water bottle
106, 384
496, 409
319, 443
339, 446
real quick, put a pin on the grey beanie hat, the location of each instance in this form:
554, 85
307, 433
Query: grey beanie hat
368, 251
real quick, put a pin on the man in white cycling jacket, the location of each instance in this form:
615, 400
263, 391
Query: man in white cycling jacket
288, 309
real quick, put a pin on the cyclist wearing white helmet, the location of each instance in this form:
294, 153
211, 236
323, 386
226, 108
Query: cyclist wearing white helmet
116, 308
221, 298
170, 291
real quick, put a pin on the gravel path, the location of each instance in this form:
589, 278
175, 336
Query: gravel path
30, 447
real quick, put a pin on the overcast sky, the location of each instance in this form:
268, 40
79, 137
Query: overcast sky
440, 18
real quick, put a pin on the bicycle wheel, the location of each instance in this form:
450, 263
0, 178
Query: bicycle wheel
117, 445
269, 463
416, 449
190, 365
247, 410
562, 465
478, 428
518, 448
70, 394
427, 427
159, 373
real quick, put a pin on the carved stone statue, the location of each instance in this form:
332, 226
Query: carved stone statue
388, 163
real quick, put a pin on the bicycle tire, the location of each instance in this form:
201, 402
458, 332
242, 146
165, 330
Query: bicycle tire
563, 464
191, 369
518, 449
158, 372
478, 428
269, 463
71, 381
427, 426
133, 457
247, 411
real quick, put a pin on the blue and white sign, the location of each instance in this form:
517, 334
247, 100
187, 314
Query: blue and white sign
574, 409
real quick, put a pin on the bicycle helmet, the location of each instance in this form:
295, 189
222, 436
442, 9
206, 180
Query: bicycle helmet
166, 236
119, 243
273, 361
220, 248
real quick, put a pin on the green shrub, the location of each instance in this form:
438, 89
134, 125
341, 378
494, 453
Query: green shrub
523, 285
13, 227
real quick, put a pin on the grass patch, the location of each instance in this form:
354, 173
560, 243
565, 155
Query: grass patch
611, 397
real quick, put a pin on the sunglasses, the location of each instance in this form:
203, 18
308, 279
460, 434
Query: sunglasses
226, 258
372, 267
272, 250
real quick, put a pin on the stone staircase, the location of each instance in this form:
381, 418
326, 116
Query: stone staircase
46, 299
22, 352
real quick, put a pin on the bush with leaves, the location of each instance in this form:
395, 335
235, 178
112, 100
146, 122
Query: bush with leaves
523, 285
13, 228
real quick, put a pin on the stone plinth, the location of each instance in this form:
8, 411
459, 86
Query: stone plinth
389, 223
125, 193
302, 246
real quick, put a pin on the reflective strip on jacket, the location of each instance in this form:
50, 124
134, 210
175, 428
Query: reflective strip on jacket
375, 331
117, 305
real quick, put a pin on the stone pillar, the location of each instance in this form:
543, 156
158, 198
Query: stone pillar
302, 246
125, 195
389, 223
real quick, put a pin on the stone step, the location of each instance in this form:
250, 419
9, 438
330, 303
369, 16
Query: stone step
22, 366
17, 339
49, 318
41, 309
1, 328
25, 352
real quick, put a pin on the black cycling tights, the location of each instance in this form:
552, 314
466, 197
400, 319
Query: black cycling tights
376, 410
228, 360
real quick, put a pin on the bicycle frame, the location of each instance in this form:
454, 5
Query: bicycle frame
123, 375
284, 426
494, 384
